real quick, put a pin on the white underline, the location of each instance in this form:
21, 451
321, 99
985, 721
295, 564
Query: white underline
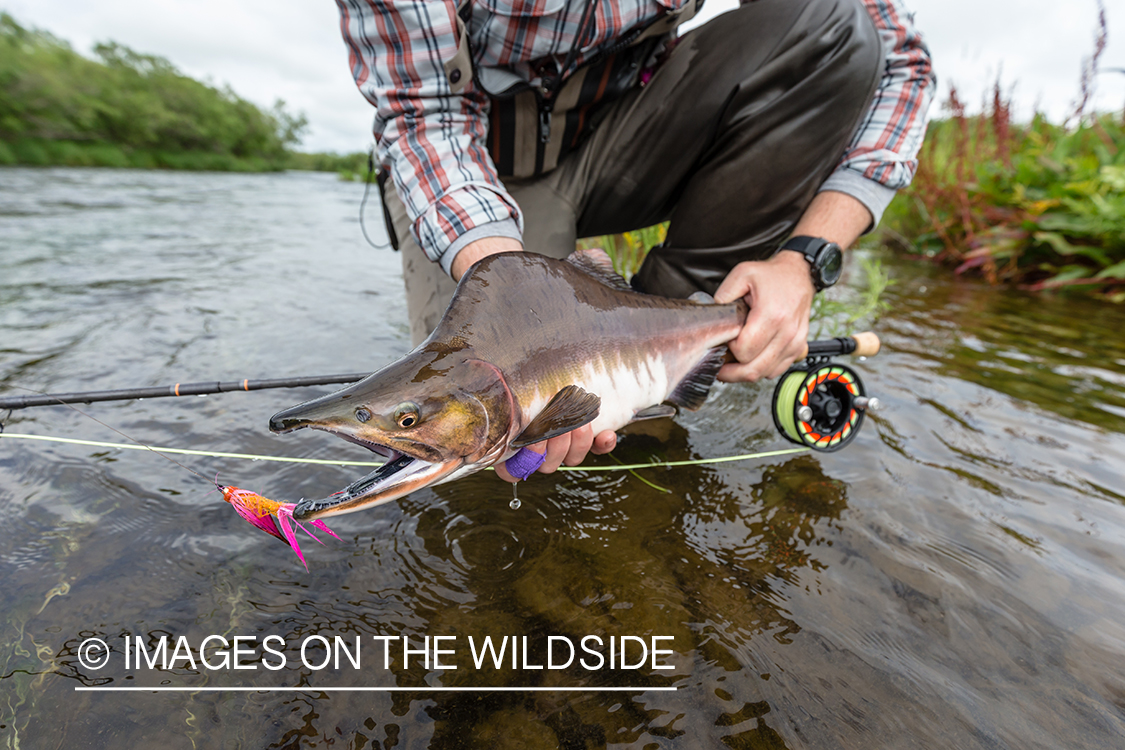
312, 689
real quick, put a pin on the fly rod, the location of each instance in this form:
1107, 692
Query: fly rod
861, 344
176, 389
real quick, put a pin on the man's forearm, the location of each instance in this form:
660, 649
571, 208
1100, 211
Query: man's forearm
837, 217
482, 248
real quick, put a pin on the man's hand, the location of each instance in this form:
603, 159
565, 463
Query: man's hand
569, 449
780, 291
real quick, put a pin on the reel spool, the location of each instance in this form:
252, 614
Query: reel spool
820, 404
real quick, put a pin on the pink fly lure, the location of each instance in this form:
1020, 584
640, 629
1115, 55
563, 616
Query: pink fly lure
272, 517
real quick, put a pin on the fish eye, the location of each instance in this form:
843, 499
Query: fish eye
362, 414
406, 414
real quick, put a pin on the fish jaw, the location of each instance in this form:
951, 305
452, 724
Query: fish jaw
398, 478
390, 481
435, 415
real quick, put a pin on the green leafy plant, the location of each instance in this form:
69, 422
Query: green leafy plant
1036, 204
628, 250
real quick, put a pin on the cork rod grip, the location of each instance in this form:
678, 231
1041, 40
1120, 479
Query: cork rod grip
867, 344
864, 344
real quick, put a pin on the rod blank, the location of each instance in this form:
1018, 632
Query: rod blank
177, 389
861, 344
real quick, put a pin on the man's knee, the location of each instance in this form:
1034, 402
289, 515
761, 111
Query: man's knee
846, 42
822, 41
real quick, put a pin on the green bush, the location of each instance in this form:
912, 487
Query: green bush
354, 163
1040, 205
30, 152
58, 107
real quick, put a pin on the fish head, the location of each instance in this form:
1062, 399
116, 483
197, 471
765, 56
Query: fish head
434, 415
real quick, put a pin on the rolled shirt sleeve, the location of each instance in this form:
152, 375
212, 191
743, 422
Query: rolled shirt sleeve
882, 157
431, 137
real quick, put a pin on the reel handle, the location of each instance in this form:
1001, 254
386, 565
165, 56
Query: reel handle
864, 344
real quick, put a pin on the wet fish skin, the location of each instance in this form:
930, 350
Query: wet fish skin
519, 330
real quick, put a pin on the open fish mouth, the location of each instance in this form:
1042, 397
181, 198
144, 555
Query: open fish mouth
400, 475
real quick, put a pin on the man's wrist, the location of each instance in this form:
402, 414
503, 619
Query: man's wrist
479, 249
824, 257
792, 263
506, 228
835, 216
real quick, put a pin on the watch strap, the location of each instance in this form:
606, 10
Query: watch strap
806, 246
811, 248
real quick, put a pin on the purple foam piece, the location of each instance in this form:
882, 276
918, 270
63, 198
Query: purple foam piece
523, 464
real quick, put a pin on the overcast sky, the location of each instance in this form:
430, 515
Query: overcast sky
291, 49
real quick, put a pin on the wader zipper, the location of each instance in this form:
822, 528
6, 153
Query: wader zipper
545, 107
544, 122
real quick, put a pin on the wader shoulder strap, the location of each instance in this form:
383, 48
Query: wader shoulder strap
525, 143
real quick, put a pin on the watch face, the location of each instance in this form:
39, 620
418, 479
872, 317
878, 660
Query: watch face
830, 261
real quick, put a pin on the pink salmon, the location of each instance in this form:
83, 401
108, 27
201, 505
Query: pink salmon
528, 349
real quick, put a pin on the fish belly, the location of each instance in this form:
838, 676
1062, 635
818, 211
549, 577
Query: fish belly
625, 389
625, 382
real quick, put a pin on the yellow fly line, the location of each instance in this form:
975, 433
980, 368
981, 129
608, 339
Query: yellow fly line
326, 462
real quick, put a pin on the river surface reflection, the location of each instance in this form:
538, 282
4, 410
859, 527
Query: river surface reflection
955, 578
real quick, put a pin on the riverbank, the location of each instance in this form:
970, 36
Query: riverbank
124, 108
1038, 205
43, 152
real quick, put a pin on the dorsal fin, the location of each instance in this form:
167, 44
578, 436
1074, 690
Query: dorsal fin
595, 262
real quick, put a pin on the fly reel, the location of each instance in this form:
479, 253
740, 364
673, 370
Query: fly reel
821, 404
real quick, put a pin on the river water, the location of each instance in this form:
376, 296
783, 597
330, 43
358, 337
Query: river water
954, 578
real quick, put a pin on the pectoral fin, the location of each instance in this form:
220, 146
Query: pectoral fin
571, 408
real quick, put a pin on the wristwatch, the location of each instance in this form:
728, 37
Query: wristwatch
825, 258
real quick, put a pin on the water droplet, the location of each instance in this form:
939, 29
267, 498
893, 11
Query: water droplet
922, 289
863, 359
515, 504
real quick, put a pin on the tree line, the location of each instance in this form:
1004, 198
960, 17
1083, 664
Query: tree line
127, 109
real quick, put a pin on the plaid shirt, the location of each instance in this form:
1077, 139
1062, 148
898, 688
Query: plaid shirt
431, 124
